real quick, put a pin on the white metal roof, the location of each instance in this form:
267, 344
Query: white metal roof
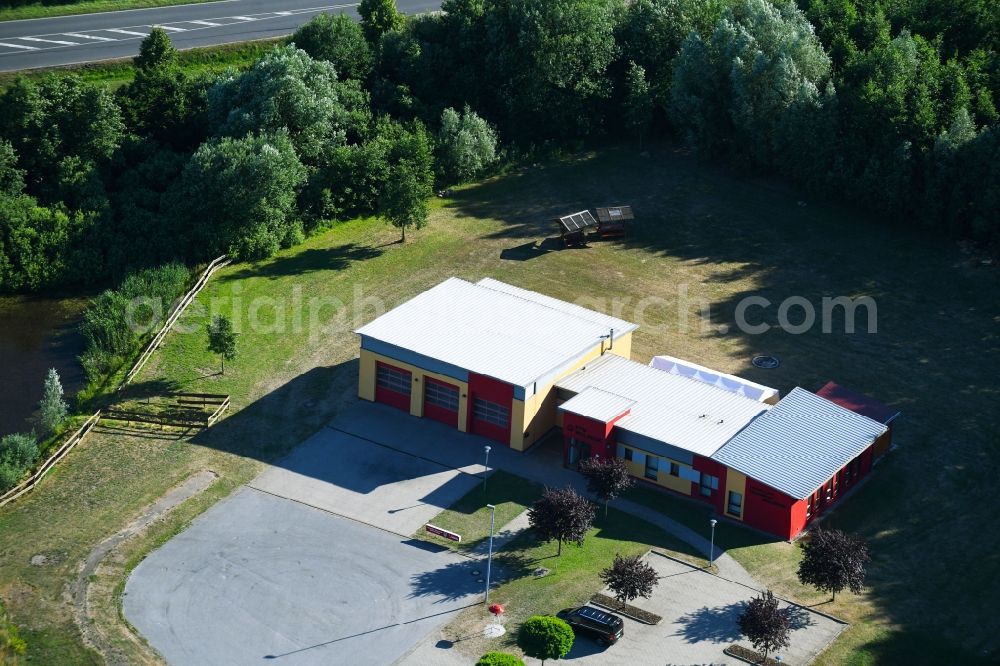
597, 404
673, 409
800, 443
731, 383
493, 329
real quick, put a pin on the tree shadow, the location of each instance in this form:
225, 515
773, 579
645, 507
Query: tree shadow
459, 579
337, 257
717, 625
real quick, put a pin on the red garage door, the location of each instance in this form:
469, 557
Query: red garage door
392, 386
441, 401
491, 419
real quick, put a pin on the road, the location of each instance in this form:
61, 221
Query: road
67, 40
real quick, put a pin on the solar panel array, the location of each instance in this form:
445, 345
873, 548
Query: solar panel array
578, 221
615, 214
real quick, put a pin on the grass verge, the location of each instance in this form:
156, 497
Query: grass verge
45, 9
469, 517
195, 62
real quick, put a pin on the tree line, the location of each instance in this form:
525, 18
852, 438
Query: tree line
890, 105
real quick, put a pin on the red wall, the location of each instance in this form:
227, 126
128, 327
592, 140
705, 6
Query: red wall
709, 466
587, 430
493, 390
769, 509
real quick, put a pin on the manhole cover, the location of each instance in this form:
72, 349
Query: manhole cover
494, 630
39, 560
541, 571
766, 362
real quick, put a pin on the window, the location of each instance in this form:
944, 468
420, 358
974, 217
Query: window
628, 454
490, 412
652, 467
809, 507
675, 469
735, 506
441, 395
708, 484
390, 378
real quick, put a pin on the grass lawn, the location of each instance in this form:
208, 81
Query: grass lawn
195, 62
44, 9
469, 517
702, 236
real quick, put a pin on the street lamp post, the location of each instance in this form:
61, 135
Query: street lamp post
489, 559
711, 548
486, 466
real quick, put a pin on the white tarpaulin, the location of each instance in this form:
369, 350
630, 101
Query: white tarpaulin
731, 383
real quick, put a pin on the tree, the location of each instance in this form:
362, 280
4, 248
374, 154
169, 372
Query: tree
833, 560
638, 101
222, 339
403, 199
630, 578
17, 454
607, 478
764, 624
11, 177
466, 145
545, 637
52, 408
340, 41
379, 17
499, 659
561, 515
238, 196
730, 93
286, 90
156, 50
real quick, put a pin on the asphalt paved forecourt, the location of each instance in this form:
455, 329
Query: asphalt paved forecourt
261, 578
65, 40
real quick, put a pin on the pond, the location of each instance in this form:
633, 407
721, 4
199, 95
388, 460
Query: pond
36, 333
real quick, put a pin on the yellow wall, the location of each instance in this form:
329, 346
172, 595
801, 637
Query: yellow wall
538, 414
366, 384
736, 482
663, 476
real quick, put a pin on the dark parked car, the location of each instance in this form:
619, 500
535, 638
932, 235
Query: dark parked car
605, 627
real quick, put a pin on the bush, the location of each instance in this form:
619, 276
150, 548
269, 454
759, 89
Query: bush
545, 637
115, 322
18, 453
499, 659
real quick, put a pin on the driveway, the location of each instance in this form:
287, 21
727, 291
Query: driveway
359, 479
263, 579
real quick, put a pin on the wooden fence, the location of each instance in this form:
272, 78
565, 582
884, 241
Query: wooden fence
189, 413
60, 453
172, 319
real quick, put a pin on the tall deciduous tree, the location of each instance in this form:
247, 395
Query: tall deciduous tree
764, 624
379, 17
561, 515
156, 50
222, 339
638, 102
247, 188
545, 637
403, 200
630, 578
339, 40
52, 408
833, 561
607, 478
466, 145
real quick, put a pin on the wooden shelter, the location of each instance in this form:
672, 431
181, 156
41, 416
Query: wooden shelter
573, 227
613, 221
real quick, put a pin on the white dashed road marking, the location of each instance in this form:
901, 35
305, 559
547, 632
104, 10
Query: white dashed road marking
208, 23
19, 46
125, 32
49, 41
78, 35
244, 18
170, 28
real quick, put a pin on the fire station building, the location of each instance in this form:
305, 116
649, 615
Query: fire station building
511, 365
